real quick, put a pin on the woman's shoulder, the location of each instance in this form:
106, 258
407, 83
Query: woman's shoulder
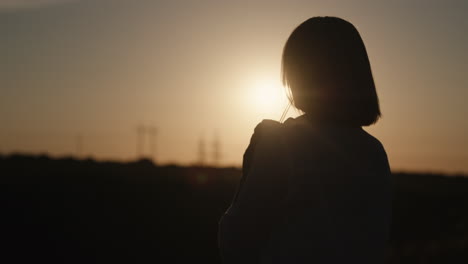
377, 150
267, 125
373, 142
269, 134
272, 125
270, 129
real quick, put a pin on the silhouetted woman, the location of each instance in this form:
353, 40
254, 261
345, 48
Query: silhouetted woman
315, 189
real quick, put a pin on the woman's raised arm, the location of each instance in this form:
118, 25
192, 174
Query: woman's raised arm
245, 228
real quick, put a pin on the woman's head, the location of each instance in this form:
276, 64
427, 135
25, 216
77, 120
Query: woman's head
326, 68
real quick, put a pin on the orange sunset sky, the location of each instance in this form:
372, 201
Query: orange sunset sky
205, 69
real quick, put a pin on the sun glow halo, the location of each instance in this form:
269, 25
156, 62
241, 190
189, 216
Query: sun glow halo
268, 97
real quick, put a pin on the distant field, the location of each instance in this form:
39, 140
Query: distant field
82, 211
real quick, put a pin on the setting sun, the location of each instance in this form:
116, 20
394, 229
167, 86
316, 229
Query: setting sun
267, 96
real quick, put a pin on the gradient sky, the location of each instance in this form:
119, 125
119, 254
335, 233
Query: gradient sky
196, 69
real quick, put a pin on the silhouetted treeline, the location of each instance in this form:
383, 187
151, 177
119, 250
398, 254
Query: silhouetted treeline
82, 211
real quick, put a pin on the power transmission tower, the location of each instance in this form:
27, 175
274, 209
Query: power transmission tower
216, 150
79, 145
201, 152
140, 143
152, 131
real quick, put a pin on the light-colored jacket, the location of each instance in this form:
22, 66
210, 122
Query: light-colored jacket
310, 193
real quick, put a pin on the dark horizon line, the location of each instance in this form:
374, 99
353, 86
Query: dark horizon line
150, 162
89, 158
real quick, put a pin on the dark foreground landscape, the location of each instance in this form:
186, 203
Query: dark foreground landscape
82, 211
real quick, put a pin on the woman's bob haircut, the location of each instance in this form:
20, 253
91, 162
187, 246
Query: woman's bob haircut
327, 71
